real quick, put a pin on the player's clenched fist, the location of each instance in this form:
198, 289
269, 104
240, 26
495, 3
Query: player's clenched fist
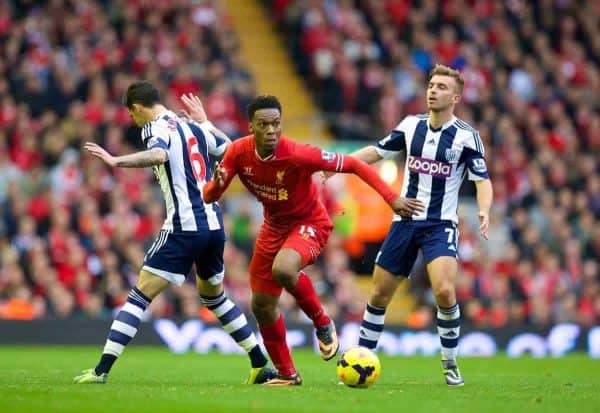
220, 175
484, 224
407, 207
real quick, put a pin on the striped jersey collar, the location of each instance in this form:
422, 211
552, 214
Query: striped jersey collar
163, 113
444, 126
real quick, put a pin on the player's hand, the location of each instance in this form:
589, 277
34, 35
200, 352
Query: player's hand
100, 152
193, 107
407, 207
220, 175
484, 224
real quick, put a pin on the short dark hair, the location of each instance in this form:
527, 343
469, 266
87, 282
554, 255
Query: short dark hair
263, 102
143, 93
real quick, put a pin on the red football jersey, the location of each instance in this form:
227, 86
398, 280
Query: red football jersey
283, 182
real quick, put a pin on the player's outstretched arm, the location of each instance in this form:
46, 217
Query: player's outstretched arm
403, 206
485, 196
368, 154
151, 157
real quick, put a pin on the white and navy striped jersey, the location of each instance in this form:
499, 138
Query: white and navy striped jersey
437, 161
189, 146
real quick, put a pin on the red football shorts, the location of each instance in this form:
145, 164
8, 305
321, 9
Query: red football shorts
307, 239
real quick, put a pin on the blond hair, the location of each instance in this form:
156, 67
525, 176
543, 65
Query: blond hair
443, 70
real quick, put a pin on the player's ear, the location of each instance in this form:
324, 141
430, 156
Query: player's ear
250, 127
456, 97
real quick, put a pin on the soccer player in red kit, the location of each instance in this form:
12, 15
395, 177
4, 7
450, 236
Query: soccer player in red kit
277, 171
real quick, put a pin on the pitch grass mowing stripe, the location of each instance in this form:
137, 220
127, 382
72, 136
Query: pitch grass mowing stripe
38, 379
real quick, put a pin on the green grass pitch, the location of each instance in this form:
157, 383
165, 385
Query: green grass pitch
146, 379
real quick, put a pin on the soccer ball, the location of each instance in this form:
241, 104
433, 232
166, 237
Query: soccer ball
358, 367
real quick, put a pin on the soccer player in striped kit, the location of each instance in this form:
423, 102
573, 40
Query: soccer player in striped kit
179, 150
440, 151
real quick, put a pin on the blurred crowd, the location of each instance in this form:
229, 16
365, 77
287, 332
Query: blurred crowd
532, 89
73, 232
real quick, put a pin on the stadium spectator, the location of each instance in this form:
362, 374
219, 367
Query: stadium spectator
528, 91
532, 118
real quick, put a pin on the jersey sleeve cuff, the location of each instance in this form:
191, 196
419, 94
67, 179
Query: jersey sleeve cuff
384, 153
206, 126
474, 176
157, 143
391, 197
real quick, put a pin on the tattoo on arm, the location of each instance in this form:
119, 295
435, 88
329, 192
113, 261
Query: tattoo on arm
151, 157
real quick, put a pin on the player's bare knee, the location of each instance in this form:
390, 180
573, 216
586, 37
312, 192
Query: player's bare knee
151, 285
285, 277
380, 297
445, 294
209, 289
